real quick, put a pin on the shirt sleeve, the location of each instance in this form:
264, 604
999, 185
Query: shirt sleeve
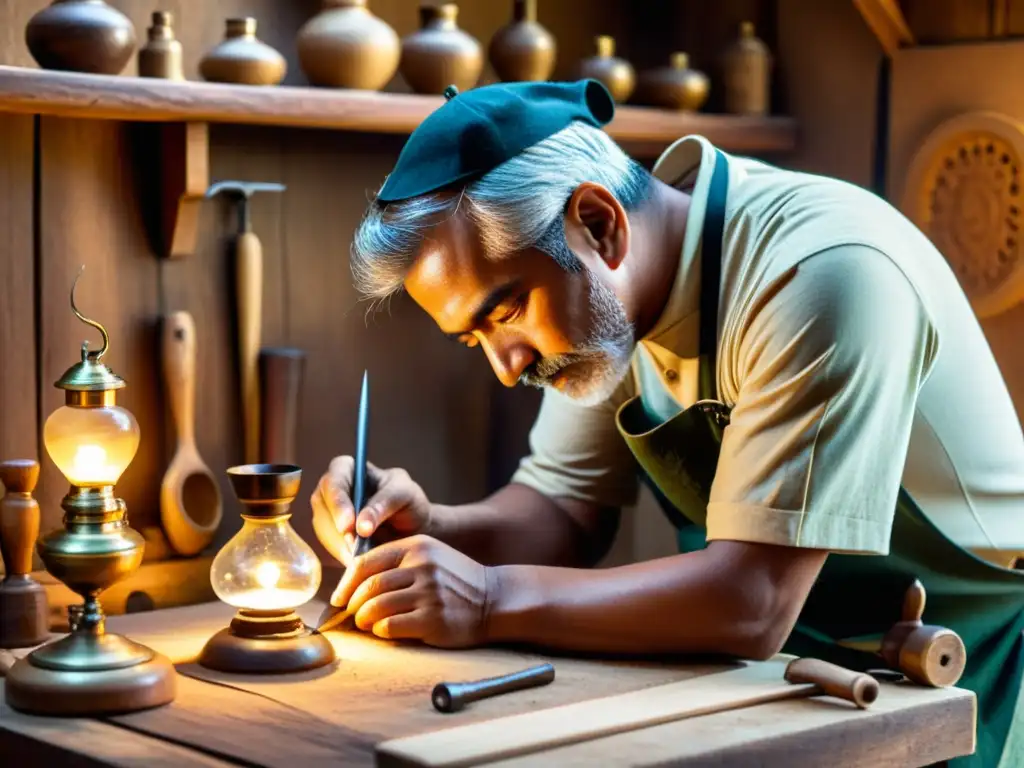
831, 362
577, 452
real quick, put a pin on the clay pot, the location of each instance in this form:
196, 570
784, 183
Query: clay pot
346, 46
523, 50
161, 55
675, 86
440, 54
616, 74
746, 74
81, 36
243, 58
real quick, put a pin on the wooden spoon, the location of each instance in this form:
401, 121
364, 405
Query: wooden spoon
190, 499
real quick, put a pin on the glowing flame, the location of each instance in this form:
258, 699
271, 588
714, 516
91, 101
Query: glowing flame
267, 575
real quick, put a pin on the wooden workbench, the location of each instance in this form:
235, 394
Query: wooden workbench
378, 692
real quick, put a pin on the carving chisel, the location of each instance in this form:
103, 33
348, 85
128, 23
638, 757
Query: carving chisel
335, 615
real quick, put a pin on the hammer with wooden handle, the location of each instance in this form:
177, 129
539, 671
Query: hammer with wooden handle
249, 288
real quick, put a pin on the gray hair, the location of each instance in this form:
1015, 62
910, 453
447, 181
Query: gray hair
518, 205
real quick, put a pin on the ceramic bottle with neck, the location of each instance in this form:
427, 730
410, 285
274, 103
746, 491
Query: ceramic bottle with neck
440, 54
81, 36
243, 58
523, 50
347, 46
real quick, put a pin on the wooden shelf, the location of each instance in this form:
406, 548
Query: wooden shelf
44, 92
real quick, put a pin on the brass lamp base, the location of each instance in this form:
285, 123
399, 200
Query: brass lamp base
90, 675
266, 642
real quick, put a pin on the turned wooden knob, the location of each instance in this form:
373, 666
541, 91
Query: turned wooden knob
933, 656
19, 475
19, 515
928, 655
23, 605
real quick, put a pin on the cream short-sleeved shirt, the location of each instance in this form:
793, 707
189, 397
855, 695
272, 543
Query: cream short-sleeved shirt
851, 360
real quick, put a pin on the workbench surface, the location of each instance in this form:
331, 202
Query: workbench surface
351, 713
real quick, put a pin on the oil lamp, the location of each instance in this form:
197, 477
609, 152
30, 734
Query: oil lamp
92, 441
266, 571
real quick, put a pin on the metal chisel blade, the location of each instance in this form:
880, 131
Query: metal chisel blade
331, 617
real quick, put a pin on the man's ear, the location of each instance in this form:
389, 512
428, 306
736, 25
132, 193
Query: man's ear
596, 225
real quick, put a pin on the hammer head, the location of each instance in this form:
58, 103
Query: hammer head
243, 189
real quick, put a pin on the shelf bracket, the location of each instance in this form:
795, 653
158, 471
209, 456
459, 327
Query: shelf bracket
184, 178
886, 21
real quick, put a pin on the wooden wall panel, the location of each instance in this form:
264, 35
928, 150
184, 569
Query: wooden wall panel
203, 284
965, 72
827, 78
942, 21
18, 389
428, 396
17, 290
89, 214
1014, 17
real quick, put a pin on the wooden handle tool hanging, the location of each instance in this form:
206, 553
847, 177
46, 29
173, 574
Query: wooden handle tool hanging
249, 299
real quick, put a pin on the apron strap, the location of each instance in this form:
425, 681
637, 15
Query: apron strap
711, 276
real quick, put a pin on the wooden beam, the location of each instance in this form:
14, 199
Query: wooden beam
185, 151
645, 130
886, 21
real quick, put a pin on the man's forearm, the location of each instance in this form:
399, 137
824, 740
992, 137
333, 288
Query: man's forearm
515, 525
693, 603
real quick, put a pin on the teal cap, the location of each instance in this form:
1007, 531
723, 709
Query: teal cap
476, 131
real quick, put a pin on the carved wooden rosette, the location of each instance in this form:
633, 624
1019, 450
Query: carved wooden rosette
965, 190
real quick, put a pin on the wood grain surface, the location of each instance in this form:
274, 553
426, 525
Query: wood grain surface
30, 741
18, 389
644, 131
380, 691
380, 678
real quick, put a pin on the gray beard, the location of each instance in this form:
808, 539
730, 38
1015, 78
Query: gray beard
601, 362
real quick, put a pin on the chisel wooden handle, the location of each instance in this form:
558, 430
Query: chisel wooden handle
451, 697
179, 359
249, 286
856, 687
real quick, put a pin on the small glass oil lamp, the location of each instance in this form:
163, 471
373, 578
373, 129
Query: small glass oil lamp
266, 571
92, 440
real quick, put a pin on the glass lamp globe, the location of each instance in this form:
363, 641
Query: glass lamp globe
266, 571
91, 446
266, 566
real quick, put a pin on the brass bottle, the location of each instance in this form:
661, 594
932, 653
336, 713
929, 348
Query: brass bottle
746, 74
161, 55
523, 50
347, 46
675, 86
242, 58
440, 54
615, 73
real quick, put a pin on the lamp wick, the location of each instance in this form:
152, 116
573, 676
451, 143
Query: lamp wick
85, 344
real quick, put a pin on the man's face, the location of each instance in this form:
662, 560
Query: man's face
538, 324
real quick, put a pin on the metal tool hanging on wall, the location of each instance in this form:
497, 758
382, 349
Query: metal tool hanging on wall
249, 296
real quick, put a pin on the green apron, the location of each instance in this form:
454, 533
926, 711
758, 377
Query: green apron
857, 598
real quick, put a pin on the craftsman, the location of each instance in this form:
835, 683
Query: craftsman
870, 438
